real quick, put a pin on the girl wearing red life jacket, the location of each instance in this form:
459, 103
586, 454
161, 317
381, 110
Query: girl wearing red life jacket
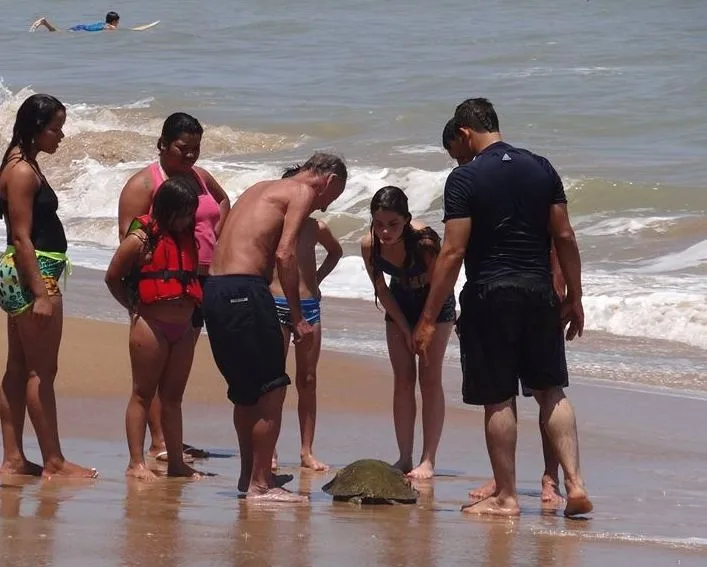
179, 146
153, 274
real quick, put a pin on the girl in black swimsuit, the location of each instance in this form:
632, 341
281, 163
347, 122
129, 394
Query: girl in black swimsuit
407, 252
37, 245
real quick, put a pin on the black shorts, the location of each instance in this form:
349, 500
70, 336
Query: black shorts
244, 332
528, 393
507, 335
197, 318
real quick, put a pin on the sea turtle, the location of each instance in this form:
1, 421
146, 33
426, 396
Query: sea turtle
370, 481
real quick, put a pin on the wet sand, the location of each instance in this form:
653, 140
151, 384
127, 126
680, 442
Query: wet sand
643, 455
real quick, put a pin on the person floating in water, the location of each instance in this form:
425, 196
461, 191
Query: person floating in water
111, 23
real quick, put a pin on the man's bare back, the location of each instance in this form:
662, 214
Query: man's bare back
253, 228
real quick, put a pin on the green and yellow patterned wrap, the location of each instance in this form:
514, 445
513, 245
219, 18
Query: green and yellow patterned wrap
16, 298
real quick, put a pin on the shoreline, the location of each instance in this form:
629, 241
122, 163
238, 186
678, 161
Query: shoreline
356, 327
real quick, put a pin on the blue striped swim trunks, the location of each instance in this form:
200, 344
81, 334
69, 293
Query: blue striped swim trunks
310, 311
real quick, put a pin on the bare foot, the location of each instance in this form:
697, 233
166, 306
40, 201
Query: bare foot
37, 23
309, 462
492, 506
140, 472
488, 489
184, 471
25, 467
577, 505
403, 465
550, 493
276, 480
66, 469
422, 471
577, 499
275, 494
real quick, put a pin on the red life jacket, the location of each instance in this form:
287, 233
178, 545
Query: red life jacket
172, 270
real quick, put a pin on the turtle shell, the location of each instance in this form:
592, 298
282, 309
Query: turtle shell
371, 481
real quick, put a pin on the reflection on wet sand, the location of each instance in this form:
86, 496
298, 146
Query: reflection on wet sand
179, 523
301, 553
420, 544
551, 551
500, 539
27, 531
508, 542
380, 534
28, 510
153, 530
271, 534
268, 533
306, 480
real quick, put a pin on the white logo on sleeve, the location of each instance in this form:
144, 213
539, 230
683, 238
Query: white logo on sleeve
506, 157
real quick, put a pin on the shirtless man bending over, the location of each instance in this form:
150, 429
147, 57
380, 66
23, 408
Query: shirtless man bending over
260, 233
307, 357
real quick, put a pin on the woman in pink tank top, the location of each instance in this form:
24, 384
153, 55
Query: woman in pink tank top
179, 146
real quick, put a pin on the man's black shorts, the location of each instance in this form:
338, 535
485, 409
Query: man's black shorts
245, 336
507, 334
197, 318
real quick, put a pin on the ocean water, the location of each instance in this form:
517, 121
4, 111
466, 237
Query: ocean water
612, 93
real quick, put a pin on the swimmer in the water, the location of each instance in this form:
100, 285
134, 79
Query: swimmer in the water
111, 23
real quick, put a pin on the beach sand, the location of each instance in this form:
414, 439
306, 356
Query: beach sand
643, 455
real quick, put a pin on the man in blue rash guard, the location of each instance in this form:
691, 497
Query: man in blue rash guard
111, 23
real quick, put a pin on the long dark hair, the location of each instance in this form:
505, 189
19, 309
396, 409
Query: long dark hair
393, 199
33, 116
